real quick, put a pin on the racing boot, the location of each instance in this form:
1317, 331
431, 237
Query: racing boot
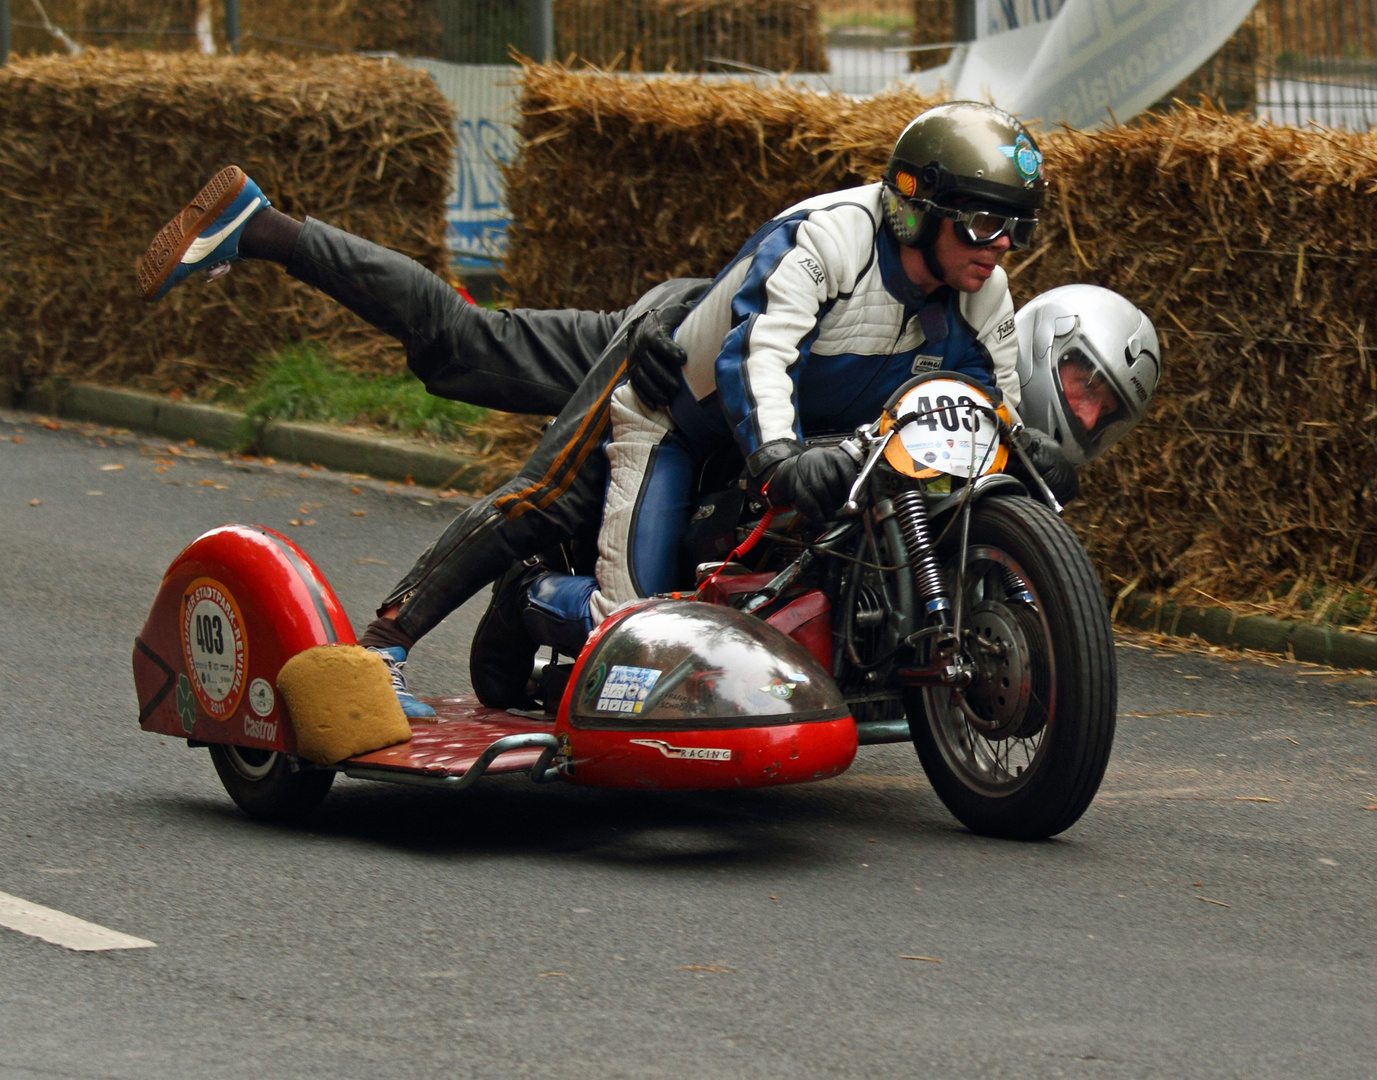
503, 653
203, 236
394, 656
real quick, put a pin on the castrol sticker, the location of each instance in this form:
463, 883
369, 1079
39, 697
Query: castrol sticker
942, 428
214, 646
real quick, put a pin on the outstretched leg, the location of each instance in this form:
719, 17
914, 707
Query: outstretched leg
518, 361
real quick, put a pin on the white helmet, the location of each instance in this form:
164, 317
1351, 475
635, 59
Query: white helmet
1088, 362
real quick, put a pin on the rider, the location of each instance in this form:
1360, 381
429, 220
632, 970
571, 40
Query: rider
825, 311
917, 254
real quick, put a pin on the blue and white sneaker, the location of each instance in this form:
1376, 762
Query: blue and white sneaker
203, 236
395, 658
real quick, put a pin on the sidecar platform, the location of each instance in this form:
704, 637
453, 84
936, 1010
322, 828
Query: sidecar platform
466, 740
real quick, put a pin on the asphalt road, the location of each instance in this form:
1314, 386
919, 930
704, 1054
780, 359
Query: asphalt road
1210, 916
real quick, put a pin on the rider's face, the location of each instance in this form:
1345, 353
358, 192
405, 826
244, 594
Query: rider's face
967, 268
1088, 394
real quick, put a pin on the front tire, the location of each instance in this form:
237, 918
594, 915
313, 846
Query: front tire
1020, 752
263, 785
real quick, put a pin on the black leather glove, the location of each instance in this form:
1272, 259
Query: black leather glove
653, 361
1051, 463
814, 481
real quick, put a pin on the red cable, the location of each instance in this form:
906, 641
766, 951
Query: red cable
745, 546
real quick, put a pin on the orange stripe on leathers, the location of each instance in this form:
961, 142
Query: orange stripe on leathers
588, 436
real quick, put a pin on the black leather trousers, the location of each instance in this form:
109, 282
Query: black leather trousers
563, 362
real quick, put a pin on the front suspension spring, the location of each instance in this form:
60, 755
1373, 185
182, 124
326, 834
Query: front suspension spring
912, 511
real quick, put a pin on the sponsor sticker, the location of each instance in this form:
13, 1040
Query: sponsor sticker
1027, 160
256, 728
923, 363
214, 647
1005, 330
906, 183
186, 704
811, 268
626, 688
685, 753
261, 698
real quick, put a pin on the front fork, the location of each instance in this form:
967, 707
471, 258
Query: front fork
946, 662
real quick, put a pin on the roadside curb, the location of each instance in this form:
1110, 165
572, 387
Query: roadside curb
388, 458
1220, 626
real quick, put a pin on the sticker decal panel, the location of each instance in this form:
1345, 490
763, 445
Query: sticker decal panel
214, 646
626, 688
261, 698
685, 753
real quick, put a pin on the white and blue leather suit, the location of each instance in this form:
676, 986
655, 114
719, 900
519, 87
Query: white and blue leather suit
809, 330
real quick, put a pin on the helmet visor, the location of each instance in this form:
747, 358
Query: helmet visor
1095, 409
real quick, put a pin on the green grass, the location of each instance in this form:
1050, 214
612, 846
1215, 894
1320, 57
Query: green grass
302, 382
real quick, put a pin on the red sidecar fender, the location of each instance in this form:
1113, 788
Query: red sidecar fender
233, 607
683, 694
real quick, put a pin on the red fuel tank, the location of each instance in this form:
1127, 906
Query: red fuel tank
233, 607
683, 694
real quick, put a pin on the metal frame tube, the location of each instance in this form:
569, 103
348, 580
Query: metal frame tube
541, 30
4, 31
232, 26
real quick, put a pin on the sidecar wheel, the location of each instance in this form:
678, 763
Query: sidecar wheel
1020, 752
263, 785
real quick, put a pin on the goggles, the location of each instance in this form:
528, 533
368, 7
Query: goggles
981, 228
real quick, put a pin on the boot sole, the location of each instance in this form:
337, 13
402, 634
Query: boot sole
174, 238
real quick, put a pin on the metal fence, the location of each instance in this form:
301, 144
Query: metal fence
1293, 61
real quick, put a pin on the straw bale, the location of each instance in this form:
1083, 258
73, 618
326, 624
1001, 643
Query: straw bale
1253, 248
683, 35
305, 28
97, 151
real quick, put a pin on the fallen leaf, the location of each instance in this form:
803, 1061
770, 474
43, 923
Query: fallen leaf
705, 967
1371, 807
359, 513
356, 491
1169, 712
161, 468
268, 461
52, 425
550, 975
1219, 903
422, 502
35, 502
408, 481
1291, 740
375, 562
927, 959
221, 487
295, 521
111, 468
315, 466
17, 438
1252, 798
205, 483
95, 493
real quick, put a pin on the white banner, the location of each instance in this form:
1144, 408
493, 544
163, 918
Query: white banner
1097, 60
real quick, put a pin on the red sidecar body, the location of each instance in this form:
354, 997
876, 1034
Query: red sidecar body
666, 694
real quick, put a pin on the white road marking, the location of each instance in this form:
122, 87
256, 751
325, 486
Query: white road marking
62, 929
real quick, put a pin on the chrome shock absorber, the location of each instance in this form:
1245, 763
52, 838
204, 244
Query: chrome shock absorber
1015, 588
912, 511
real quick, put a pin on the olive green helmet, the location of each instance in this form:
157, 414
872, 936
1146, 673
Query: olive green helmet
963, 152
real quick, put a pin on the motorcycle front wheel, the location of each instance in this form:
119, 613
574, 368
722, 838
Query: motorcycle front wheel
1019, 753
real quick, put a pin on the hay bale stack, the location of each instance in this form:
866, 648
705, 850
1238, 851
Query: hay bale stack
1253, 248
624, 182
97, 152
304, 28
683, 35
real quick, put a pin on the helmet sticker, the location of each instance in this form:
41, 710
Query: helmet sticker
905, 182
1027, 160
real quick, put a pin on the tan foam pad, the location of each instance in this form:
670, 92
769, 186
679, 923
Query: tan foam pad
341, 702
